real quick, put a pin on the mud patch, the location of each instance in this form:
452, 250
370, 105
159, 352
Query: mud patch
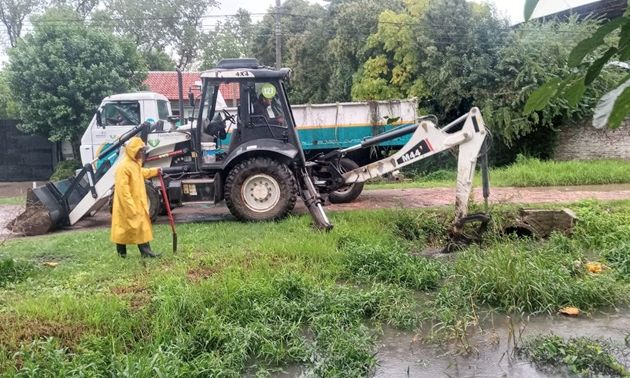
138, 296
35, 220
15, 331
200, 273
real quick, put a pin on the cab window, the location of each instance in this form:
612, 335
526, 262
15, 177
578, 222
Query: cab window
123, 113
266, 108
163, 112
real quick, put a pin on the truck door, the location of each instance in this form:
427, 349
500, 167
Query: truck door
117, 118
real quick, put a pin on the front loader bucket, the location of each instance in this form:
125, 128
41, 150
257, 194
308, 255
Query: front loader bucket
48, 206
36, 218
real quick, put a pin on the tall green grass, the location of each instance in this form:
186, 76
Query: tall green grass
528, 172
259, 298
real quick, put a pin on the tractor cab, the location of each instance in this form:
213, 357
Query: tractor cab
262, 120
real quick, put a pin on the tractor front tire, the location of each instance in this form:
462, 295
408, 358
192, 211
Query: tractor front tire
260, 189
347, 193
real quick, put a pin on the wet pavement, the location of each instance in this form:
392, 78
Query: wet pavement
369, 199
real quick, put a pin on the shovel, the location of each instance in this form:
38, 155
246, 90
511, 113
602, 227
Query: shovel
168, 211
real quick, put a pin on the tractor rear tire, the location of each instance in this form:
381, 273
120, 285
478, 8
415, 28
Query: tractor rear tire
260, 189
350, 192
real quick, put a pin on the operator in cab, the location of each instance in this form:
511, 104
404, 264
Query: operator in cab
263, 107
131, 223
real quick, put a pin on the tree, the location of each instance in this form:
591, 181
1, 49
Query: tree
158, 60
164, 26
13, 13
81, 7
296, 17
453, 55
441, 51
352, 21
8, 108
230, 39
323, 46
586, 62
532, 54
61, 72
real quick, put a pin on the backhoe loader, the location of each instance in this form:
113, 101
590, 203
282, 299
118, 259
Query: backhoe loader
263, 169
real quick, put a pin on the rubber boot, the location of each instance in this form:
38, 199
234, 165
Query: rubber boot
122, 250
145, 251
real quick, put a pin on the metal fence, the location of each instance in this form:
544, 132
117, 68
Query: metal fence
24, 157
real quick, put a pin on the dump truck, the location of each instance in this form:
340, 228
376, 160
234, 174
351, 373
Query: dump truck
261, 169
322, 128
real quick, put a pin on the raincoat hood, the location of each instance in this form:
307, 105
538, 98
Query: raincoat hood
134, 145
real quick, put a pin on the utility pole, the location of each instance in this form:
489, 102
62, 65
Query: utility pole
278, 37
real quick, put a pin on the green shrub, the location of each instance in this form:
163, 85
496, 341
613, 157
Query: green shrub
65, 170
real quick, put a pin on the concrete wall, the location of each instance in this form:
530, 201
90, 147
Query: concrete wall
23, 157
584, 142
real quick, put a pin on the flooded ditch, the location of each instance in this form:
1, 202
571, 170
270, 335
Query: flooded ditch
492, 344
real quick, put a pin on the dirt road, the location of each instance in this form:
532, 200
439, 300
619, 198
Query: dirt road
379, 199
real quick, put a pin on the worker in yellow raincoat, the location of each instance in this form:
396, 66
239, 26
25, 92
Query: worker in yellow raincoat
130, 216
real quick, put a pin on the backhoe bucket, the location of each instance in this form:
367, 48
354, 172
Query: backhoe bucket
48, 206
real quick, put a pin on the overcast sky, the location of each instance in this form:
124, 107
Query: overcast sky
513, 9
510, 8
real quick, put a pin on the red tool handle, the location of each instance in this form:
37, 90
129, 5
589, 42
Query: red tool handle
166, 202
168, 210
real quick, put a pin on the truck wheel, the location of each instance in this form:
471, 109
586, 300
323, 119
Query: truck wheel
260, 189
350, 192
153, 198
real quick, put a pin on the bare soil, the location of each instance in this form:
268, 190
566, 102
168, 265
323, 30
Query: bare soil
373, 199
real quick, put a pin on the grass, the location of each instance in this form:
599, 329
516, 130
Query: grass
530, 172
581, 356
255, 298
12, 200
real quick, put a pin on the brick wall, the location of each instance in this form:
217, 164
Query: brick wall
584, 142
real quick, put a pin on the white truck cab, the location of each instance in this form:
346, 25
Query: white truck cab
119, 114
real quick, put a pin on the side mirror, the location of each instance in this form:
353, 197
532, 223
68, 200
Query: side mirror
99, 120
191, 99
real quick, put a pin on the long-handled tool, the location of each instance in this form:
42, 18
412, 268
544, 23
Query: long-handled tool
168, 211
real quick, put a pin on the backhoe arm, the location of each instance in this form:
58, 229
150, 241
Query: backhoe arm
428, 140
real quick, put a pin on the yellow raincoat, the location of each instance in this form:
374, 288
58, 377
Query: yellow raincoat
130, 216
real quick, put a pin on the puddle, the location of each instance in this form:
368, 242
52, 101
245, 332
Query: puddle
400, 356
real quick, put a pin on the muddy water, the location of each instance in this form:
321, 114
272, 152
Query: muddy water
493, 347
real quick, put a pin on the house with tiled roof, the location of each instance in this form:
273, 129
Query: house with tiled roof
165, 83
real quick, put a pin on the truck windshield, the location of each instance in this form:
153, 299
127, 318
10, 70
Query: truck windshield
121, 113
163, 112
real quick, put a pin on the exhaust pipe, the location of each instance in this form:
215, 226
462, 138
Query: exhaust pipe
180, 92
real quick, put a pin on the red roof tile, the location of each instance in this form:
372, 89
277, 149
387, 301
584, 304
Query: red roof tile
165, 83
